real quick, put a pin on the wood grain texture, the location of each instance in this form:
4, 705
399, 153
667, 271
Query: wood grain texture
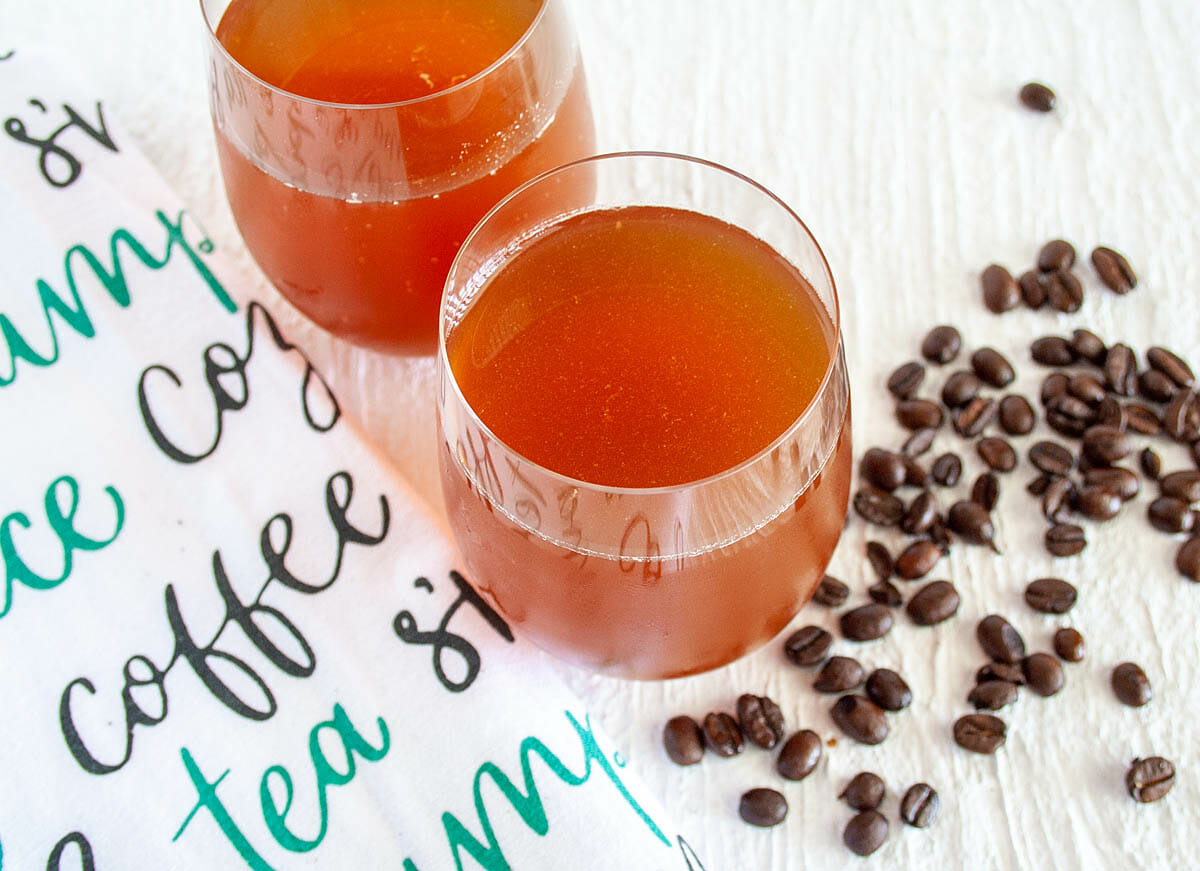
894, 130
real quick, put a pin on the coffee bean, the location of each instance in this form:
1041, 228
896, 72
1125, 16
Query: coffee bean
880, 559
973, 418
1114, 479
1000, 640
1037, 97
1184, 485
1114, 270
1063, 291
722, 735
763, 807
885, 593
1068, 644
992, 695
884, 469
865, 833
997, 453
839, 674
799, 756
971, 522
1150, 779
919, 807
1120, 370
1053, 386
683, 740
1056, 254
1043, 674
960, 388
1088, 346
918, 414
1181, 420
1155, 386
1086, 388
1109, 412
1187, 559
831, 593
1000, 671
1016, 415
986, 491
1038, 485
992, 367
864, 792
980, 733
1104, 445
1052, 458
914, 473
866, 622
920, 515
1000, 290
933, 603
878, 506
1058, 499
1065, 539
1131, 685
760, 720
808, 645
947, 469
1172, 365
917, 560
1051, 595
1097, 503
888, 690
918, 443
1052, 351
1170, 515
860, 718
906, 379
1033, 291
1142, 420
941, 344
1073, 421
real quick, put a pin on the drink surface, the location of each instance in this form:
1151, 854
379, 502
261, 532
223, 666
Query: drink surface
641, 347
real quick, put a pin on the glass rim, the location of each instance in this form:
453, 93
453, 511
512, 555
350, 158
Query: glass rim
831, 367
395, 104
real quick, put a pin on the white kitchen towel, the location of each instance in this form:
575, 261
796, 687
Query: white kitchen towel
230, 637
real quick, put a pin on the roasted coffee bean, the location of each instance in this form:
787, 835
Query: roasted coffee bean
683, 740
974, 417
1187, 559
1120, 370
888, 690
986, 490
1104, 445
1181, 420
1016, 415
1170, 515
921, 513
941, 344
866, 622
839, 674
1141, 419
860, 718
1056, 254
865, 833
864, 792
808, 645
1184, 485
1114, 270
1053, 386
763, 807
1150, 779
1052, 351
917, 560
722, 735
1097, 503
1000, 640
800, 755
1068, 644
980, 733
885, 593
906, 379
880, 559
1172, 365
1039, 485
960, 388
919, 807
1033, 291
1043, 674
1131, 685
1088, 346
914, 474
1069, 406
919, 442
1156, 386
992, 695
1000, 671
947, 469
1063, 291
997, 453
1058, 499
760, 720
992, 367
1115, 479
1051, 595
971, 522
1052, 458
1065, 539
1037, 97
1109, 412
1086, 388
1064, 424
831, 592
933, 603
1000, 290
884, 469
918, 414
878, 506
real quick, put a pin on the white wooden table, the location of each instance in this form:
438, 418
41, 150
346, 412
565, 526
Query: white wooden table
893, 129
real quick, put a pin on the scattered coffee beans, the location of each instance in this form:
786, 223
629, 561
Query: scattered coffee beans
1000, 671
878, 506
941, 344
1068, 644
974, 417
1016, 415
885, 593
986, 491
1000, 290
866, 622
933, 603
917, 560
831, 592
920, 514
1150, 779
799, 756
1065, 539
1051, 595
1104, 445
864, 792
1184, 486
1172, 365
883, 469
971, 522
960, 388
1033, 291
1114, 479
991, 367
904, 382
839, 674
1043, 674
992, 695
947, 469
997, 453
722, 735
1063, 291
1131, 685
1052, 458
1037, 97
917, 443
888, 690
760, 720
1000, 640
1170, 515
763, 807
860, 718
808, 646
919, 807
683, 740
980, 733
1114, 270
1052, 351
1055, 255
1187, 559
865, 833
917, 414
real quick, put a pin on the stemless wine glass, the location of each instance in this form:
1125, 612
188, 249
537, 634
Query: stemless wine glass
355, 211
643, 582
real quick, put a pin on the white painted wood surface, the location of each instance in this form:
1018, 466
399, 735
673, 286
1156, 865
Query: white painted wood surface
893, 129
